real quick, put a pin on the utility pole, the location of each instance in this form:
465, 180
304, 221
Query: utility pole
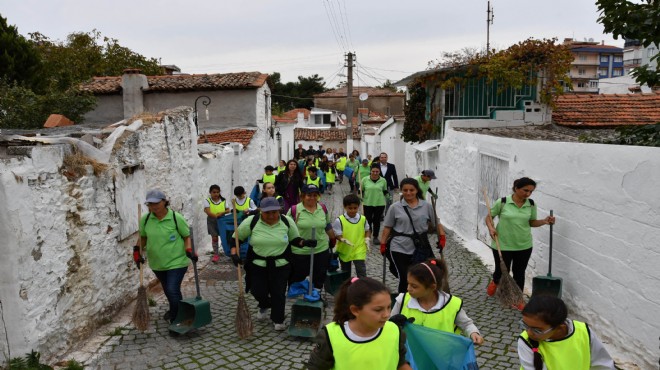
489, 20
349, 104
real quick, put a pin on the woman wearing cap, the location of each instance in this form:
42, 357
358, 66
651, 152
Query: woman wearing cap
288, 184
374, 193
267, 264
308, 214
166, 237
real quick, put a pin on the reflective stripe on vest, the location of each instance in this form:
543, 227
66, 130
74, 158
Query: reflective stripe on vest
245, 206
381, 352
268, 178
353, 232
573, 352
217, 208
442, 319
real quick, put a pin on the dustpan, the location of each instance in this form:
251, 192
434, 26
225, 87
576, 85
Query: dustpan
306, 313
548, 284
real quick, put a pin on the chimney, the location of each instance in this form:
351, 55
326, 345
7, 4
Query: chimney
133, 82
602, 42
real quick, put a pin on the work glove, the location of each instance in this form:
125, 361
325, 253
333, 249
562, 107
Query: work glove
193, 256
236, 260
311, 243
442, 241
401, 320
383, 246
137, 258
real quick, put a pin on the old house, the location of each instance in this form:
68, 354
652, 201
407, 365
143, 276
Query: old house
375, 99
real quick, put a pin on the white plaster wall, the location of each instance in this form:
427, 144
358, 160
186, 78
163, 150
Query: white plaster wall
606, 237
392, 144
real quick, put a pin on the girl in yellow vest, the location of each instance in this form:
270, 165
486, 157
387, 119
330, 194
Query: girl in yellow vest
552, 342
430, 306
329, 171
215, 207
244, 205
360, 335
353, 236
281, 167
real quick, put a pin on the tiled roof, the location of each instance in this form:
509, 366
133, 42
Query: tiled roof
332, 134
292, 115
238, 135
226, 81
607, 110
372, 91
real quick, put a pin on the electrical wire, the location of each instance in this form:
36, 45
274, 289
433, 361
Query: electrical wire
334, 33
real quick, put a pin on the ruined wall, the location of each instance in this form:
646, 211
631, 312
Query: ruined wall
605, 198
68, 235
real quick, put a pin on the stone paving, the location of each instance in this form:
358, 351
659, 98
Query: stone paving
217, 346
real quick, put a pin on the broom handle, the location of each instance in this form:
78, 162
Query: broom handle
238, 247
311, 265
550, 244
497, 240
139, 243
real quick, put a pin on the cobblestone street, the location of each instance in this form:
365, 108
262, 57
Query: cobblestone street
217, 346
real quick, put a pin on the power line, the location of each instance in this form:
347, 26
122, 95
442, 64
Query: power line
343, 23
341, 34
334, 33
348, 25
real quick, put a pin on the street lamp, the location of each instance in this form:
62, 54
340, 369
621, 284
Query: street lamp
278, 136
206, 101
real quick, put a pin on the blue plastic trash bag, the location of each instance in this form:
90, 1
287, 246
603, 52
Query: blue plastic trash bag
429, 349
298, 288
225, 230
315, 297
255, 194
348, 172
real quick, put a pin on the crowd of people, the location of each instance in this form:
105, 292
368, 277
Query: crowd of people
292, 223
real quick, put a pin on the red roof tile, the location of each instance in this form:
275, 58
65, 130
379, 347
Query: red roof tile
332, 134
243, 136
607, 110
372, 91
292, 115
226, 81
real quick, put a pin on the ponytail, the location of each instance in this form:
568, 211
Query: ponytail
433, 271
538, 359
355, 292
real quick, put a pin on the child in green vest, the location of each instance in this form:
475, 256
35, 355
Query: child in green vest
268, 176
244, 205
215, 207
551, 341
430, 306
360, 336
352, 232
281, 167
329, 172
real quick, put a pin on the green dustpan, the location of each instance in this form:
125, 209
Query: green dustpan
306, 316
335, 279
547, 285
193, 312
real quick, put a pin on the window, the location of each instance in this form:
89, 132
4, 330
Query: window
604, 58
593, 84
582, 57
580, 84
581, 71
651, 52
618, 59
602, 72
617, 72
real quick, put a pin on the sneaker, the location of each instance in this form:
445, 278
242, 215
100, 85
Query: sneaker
215, 258
491, 289
280, 327
263, 314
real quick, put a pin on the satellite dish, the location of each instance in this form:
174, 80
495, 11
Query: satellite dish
343, 117
364, 96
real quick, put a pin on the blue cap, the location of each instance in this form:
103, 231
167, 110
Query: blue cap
269, 204
155, 196
310, 188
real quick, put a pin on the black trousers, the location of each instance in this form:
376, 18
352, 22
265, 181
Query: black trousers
518, 259
373, 214
268, 287
401, 264
300, 268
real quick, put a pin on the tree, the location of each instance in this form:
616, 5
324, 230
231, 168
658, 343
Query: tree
634, 21
292, 95
19, 61
456, 58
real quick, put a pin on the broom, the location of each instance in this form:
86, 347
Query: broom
243, 319
141, 313
508, 291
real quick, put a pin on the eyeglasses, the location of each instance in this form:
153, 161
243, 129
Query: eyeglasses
535, 330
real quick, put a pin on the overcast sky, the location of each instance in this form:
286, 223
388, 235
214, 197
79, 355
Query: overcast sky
391, 38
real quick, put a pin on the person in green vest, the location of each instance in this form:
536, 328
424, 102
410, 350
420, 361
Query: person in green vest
269, 191
313, 177
215, 206
430, 306
424, 180
551, 341
244, 205
268, 176
340, 165
353, 164
360, 335
281, 166
329, 170
352, 233
374, 195
363, 171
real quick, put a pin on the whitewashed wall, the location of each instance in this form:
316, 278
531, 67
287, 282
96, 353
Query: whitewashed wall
606, 249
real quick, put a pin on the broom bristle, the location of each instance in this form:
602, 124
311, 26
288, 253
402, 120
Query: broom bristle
141, 313
508, 291
243, 319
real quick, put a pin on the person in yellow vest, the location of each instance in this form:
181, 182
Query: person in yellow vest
430, 306
281, 167
360, 336
329, 171
551, 341
353, 228
340, 165
215, 206
269, 191
244, 205
268, 176
313, 177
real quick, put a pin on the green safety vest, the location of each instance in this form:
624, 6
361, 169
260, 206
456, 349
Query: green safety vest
341, 164
316, 181
442, 319
217, 208
382, 352
353, 232
572, 352
245, 206
330, 176
268, 178
281, 169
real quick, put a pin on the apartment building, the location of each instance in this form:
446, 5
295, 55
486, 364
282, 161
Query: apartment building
592, 62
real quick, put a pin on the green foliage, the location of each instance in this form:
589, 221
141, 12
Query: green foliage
634, 21
644, 135
290, 95
73, 365
19, 61
416, 128
115, 332
388, 85
31, 361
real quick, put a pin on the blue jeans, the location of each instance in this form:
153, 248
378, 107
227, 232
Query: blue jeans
171, 280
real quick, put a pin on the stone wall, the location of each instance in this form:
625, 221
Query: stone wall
608, 226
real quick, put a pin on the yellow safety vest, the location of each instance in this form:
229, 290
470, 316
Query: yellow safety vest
341, 164
316, 181
382, 352
330, 175
354, 233
442, 319
217, 208
268, 178
572, 352
245, 206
